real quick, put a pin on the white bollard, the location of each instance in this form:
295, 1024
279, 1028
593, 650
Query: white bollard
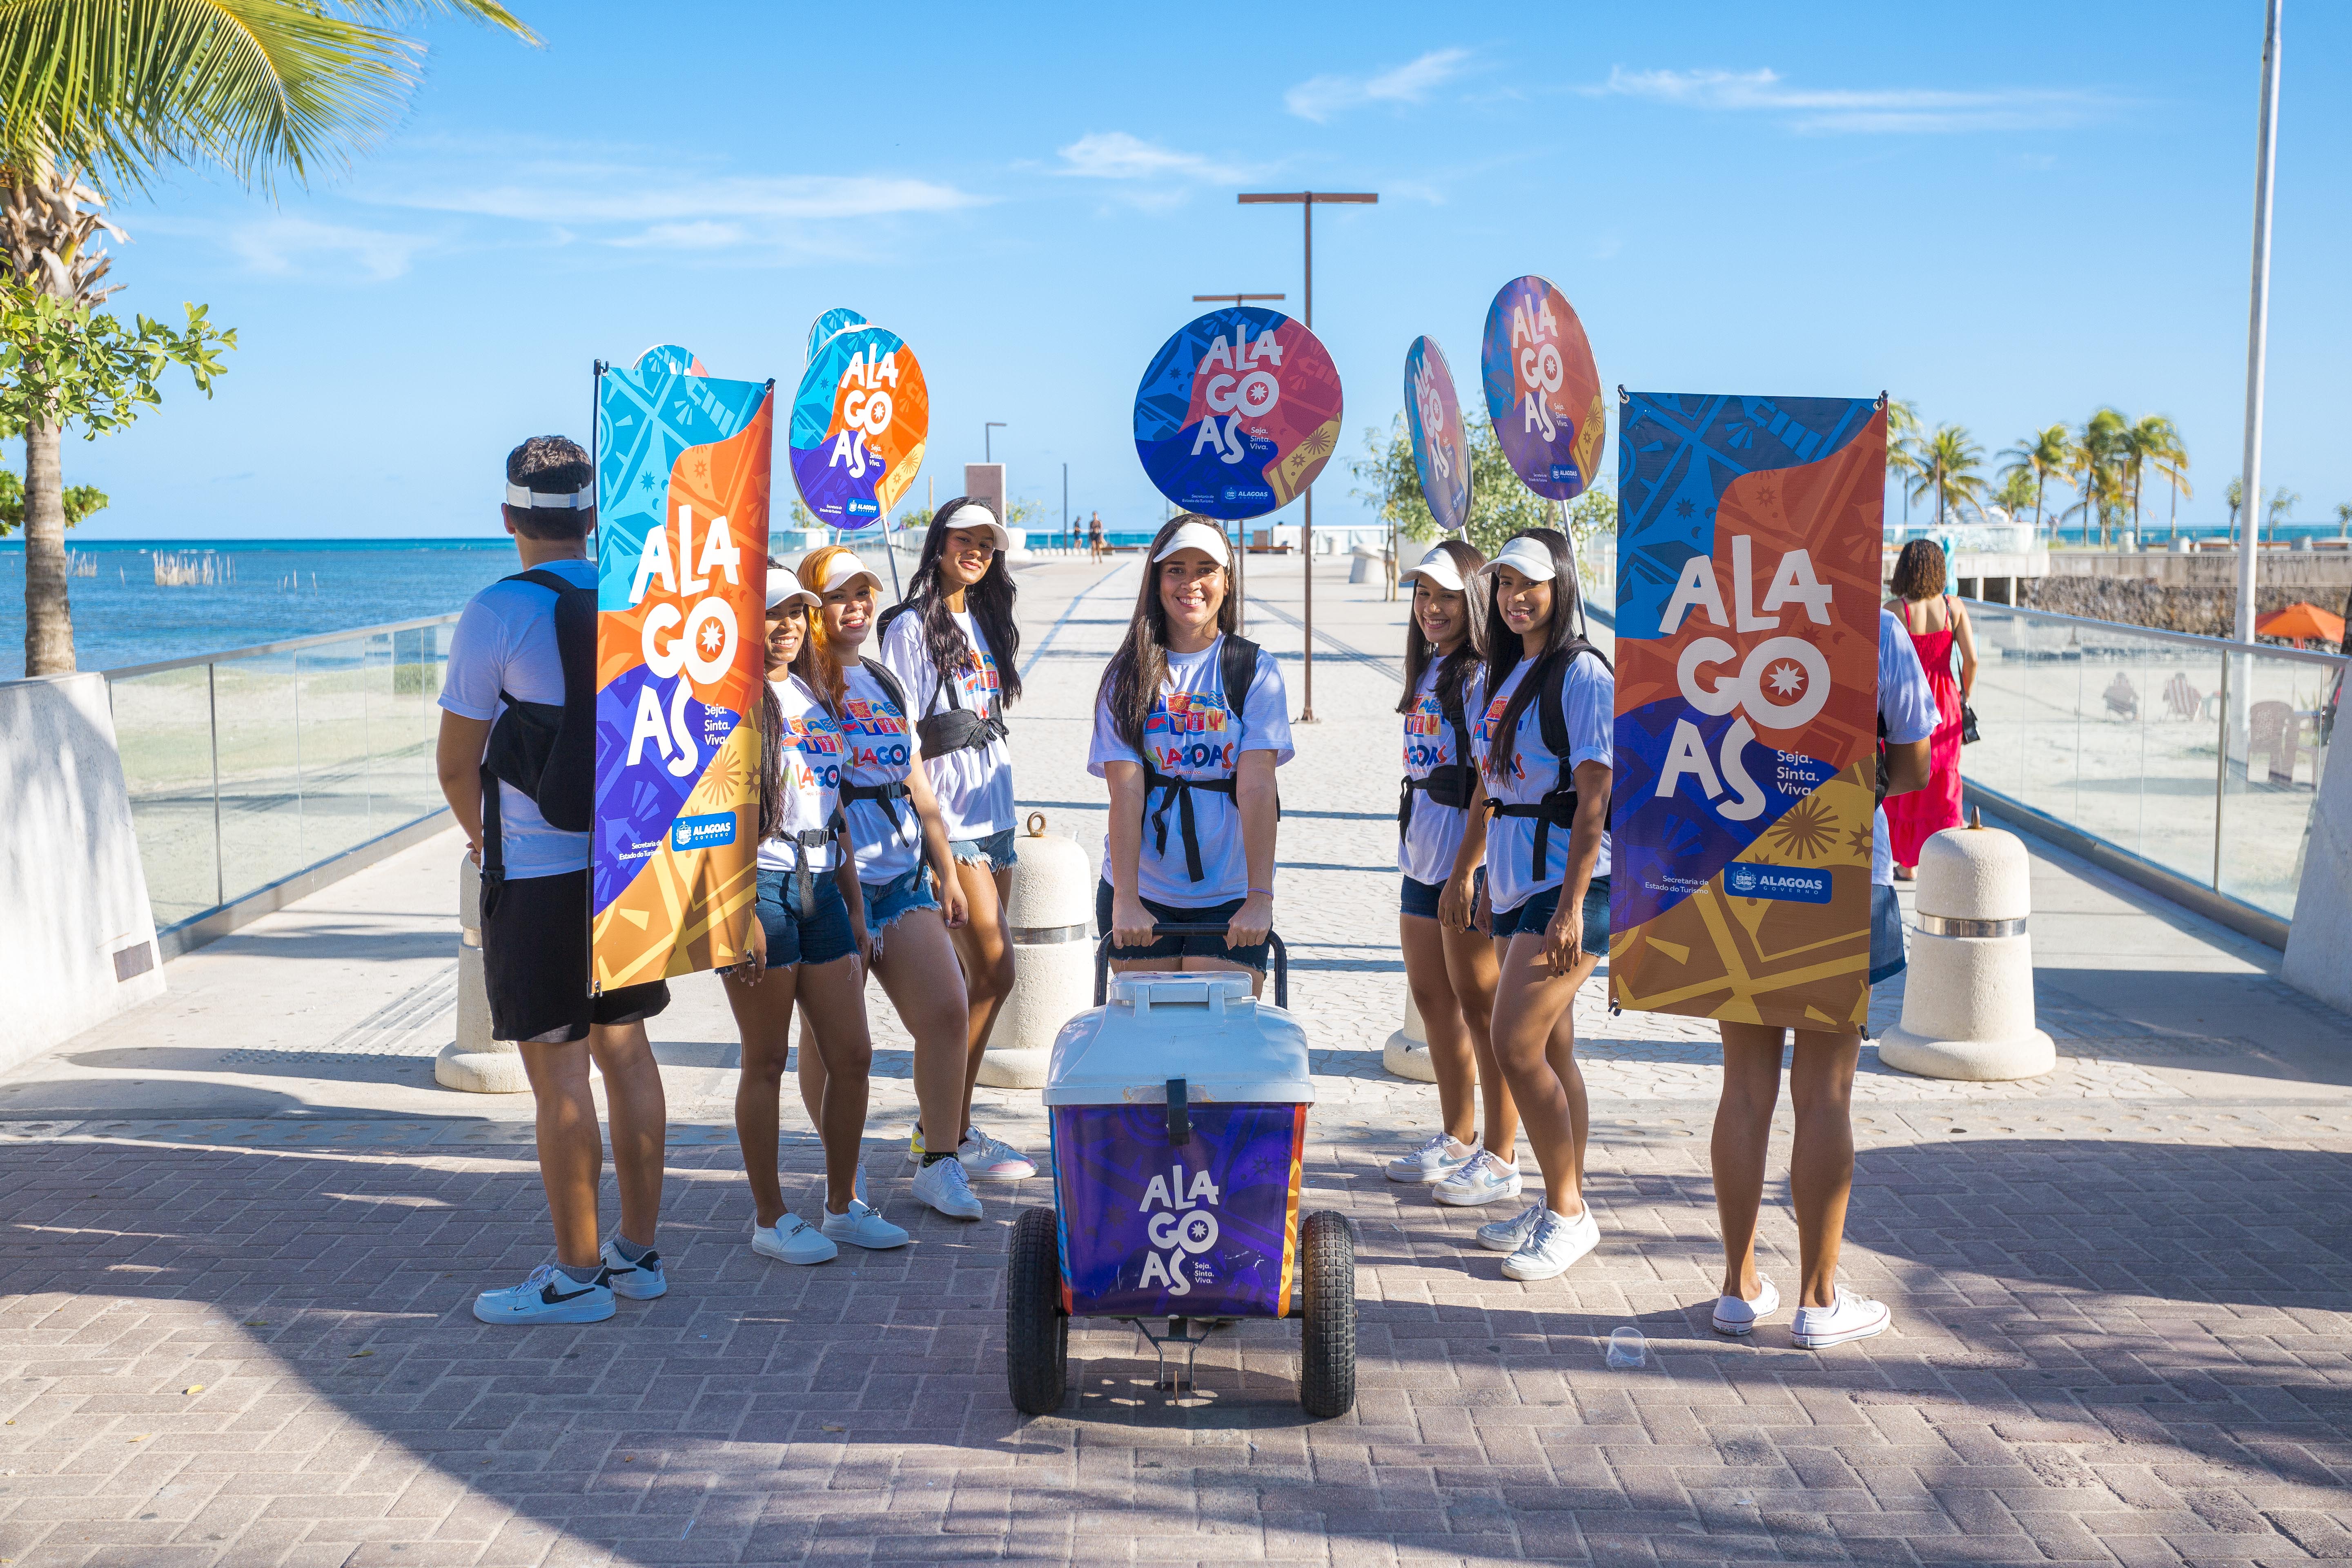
474, 1061
1407, 1053
1051, 912
1967, 999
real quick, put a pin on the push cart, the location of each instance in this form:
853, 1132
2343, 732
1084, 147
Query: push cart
1178, 1107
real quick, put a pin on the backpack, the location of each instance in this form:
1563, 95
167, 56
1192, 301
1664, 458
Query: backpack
548, 750
1558, 807
1448, 787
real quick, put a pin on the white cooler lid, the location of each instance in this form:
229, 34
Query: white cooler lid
1204, 1027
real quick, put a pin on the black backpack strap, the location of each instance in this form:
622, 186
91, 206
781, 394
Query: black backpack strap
1237, 671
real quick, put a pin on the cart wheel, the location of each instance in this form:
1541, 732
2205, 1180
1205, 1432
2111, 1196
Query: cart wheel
1036, 1333
1327, 1338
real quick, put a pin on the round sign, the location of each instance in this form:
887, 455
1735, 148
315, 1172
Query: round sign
669, 357
831, 322
1542, 390
1238, 412
858, 426
1440, 453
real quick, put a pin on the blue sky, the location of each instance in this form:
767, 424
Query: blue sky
2009, 219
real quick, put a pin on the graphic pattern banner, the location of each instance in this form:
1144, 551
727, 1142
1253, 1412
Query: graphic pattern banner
682, 476
859, 424
668, 357
1542, 390
1440, 453
1747, 707
834, 320
1238, 412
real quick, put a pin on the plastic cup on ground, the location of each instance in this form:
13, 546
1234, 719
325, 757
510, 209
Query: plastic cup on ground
1627, 1348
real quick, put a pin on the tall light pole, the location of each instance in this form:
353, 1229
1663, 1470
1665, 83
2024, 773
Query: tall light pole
986, 431
1241, 562
1306, 200
1066, 505
2258, 328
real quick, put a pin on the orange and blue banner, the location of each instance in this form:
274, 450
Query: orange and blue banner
1543, 392
682, 478
860, 422
1747, 556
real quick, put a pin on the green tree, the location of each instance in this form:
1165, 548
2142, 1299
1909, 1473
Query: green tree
2344, 519
2154, 441
101, 98
2040, 455
81, 501
2235, 494
1949, 471
2095, 464
2019, 489
1500, 506
1903, 449
2282, 501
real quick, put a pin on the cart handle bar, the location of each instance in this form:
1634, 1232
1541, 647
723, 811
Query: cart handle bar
1194, 928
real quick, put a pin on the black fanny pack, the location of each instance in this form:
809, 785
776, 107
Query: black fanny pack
958, 730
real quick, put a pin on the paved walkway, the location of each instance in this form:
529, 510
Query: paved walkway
246, 1227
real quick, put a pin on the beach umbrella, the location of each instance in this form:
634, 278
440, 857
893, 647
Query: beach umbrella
2300, 623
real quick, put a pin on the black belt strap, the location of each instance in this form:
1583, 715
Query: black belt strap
806, 839
1557, 806
1179, 793
887, 795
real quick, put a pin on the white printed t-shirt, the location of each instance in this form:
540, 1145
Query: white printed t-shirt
1588, 699
1425, 851
1192, 735
812, 753
1907, 703
881, 743
975, 785
505, 641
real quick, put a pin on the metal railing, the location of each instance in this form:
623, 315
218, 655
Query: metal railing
250, 767
2199, 756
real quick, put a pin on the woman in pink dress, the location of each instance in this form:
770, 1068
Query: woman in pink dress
1936, 624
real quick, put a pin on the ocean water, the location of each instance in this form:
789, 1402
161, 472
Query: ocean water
264, 591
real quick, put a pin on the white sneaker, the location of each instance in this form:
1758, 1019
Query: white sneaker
1510, 1235
1482, 1179
639, 1282
989, 1159
791, 1240
547, 1295
861, 1227
1434, 1161
1847, 1317
1735, 1315
943, 1184
1556, 1242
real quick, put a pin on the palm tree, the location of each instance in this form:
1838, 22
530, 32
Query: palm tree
1948, 465
2282, 501
99, 97
2344, 519
2041, 454
2093, 462
2153, 439
2016, 492
2235, 494
1903, 448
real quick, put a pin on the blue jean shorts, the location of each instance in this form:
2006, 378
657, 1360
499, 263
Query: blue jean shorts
1888, 957
1187, 944
1422, 897
823, 937
901, 895
996, 848
1533, 917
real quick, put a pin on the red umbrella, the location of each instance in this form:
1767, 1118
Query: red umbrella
2301, 623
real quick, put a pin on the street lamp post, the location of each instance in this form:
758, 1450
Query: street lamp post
1306, 200
986, 431
2258, 324
1241, 562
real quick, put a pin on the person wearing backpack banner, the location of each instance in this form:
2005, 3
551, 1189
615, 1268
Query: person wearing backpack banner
1450, 968
901, 851
955, 647
1190, 721
516, 760
1543, 743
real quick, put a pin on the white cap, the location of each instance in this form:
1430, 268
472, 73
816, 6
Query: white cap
1525, 556
784, 588
1439, 568
1197, 536
581, 499
842, 570
972, 516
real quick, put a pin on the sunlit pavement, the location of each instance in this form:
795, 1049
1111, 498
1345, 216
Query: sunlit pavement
245, 1229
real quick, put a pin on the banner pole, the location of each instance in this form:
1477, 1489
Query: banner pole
596, 558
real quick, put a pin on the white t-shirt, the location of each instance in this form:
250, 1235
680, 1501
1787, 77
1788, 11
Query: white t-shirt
1588, 699
1907, 703
810, 777
975, 785
505, 640
881, 743
1192, 735
1431, 840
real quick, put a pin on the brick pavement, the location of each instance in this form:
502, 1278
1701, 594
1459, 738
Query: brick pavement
236, 1331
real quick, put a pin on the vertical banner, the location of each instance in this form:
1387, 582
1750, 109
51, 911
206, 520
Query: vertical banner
1748, 560
682, 474
1237, 413
1440, 454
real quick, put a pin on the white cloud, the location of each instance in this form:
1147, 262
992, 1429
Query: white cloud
701, 234
286, 247
1837, 111
1117, 155
578, 195
1320, 97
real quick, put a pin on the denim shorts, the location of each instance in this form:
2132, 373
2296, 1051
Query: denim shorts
1420, 898
1189, 944
1533, 917
901, 895
823, 937
996, 850
1888, 954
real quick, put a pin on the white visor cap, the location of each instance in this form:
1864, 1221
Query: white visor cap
1525, 556
980, 517
581, 499
784, 588
1197, 536
1438, 567
843, 569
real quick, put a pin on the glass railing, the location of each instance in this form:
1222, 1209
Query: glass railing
2200, 756
248, 767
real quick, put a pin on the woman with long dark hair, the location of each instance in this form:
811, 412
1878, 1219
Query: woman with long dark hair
809, 946
1449, 968
955, 647
1939, 627
1543, 747
1191, 720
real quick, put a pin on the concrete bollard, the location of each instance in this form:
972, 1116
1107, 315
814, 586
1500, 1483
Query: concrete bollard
1407, 1053
474, 1061
1051, 912
1968, 1000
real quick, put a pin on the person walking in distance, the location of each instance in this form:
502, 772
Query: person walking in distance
1190, 721
955, 647
809, 945
1543, 747
1450, 969
515, 761
1937, 626
1094, 537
